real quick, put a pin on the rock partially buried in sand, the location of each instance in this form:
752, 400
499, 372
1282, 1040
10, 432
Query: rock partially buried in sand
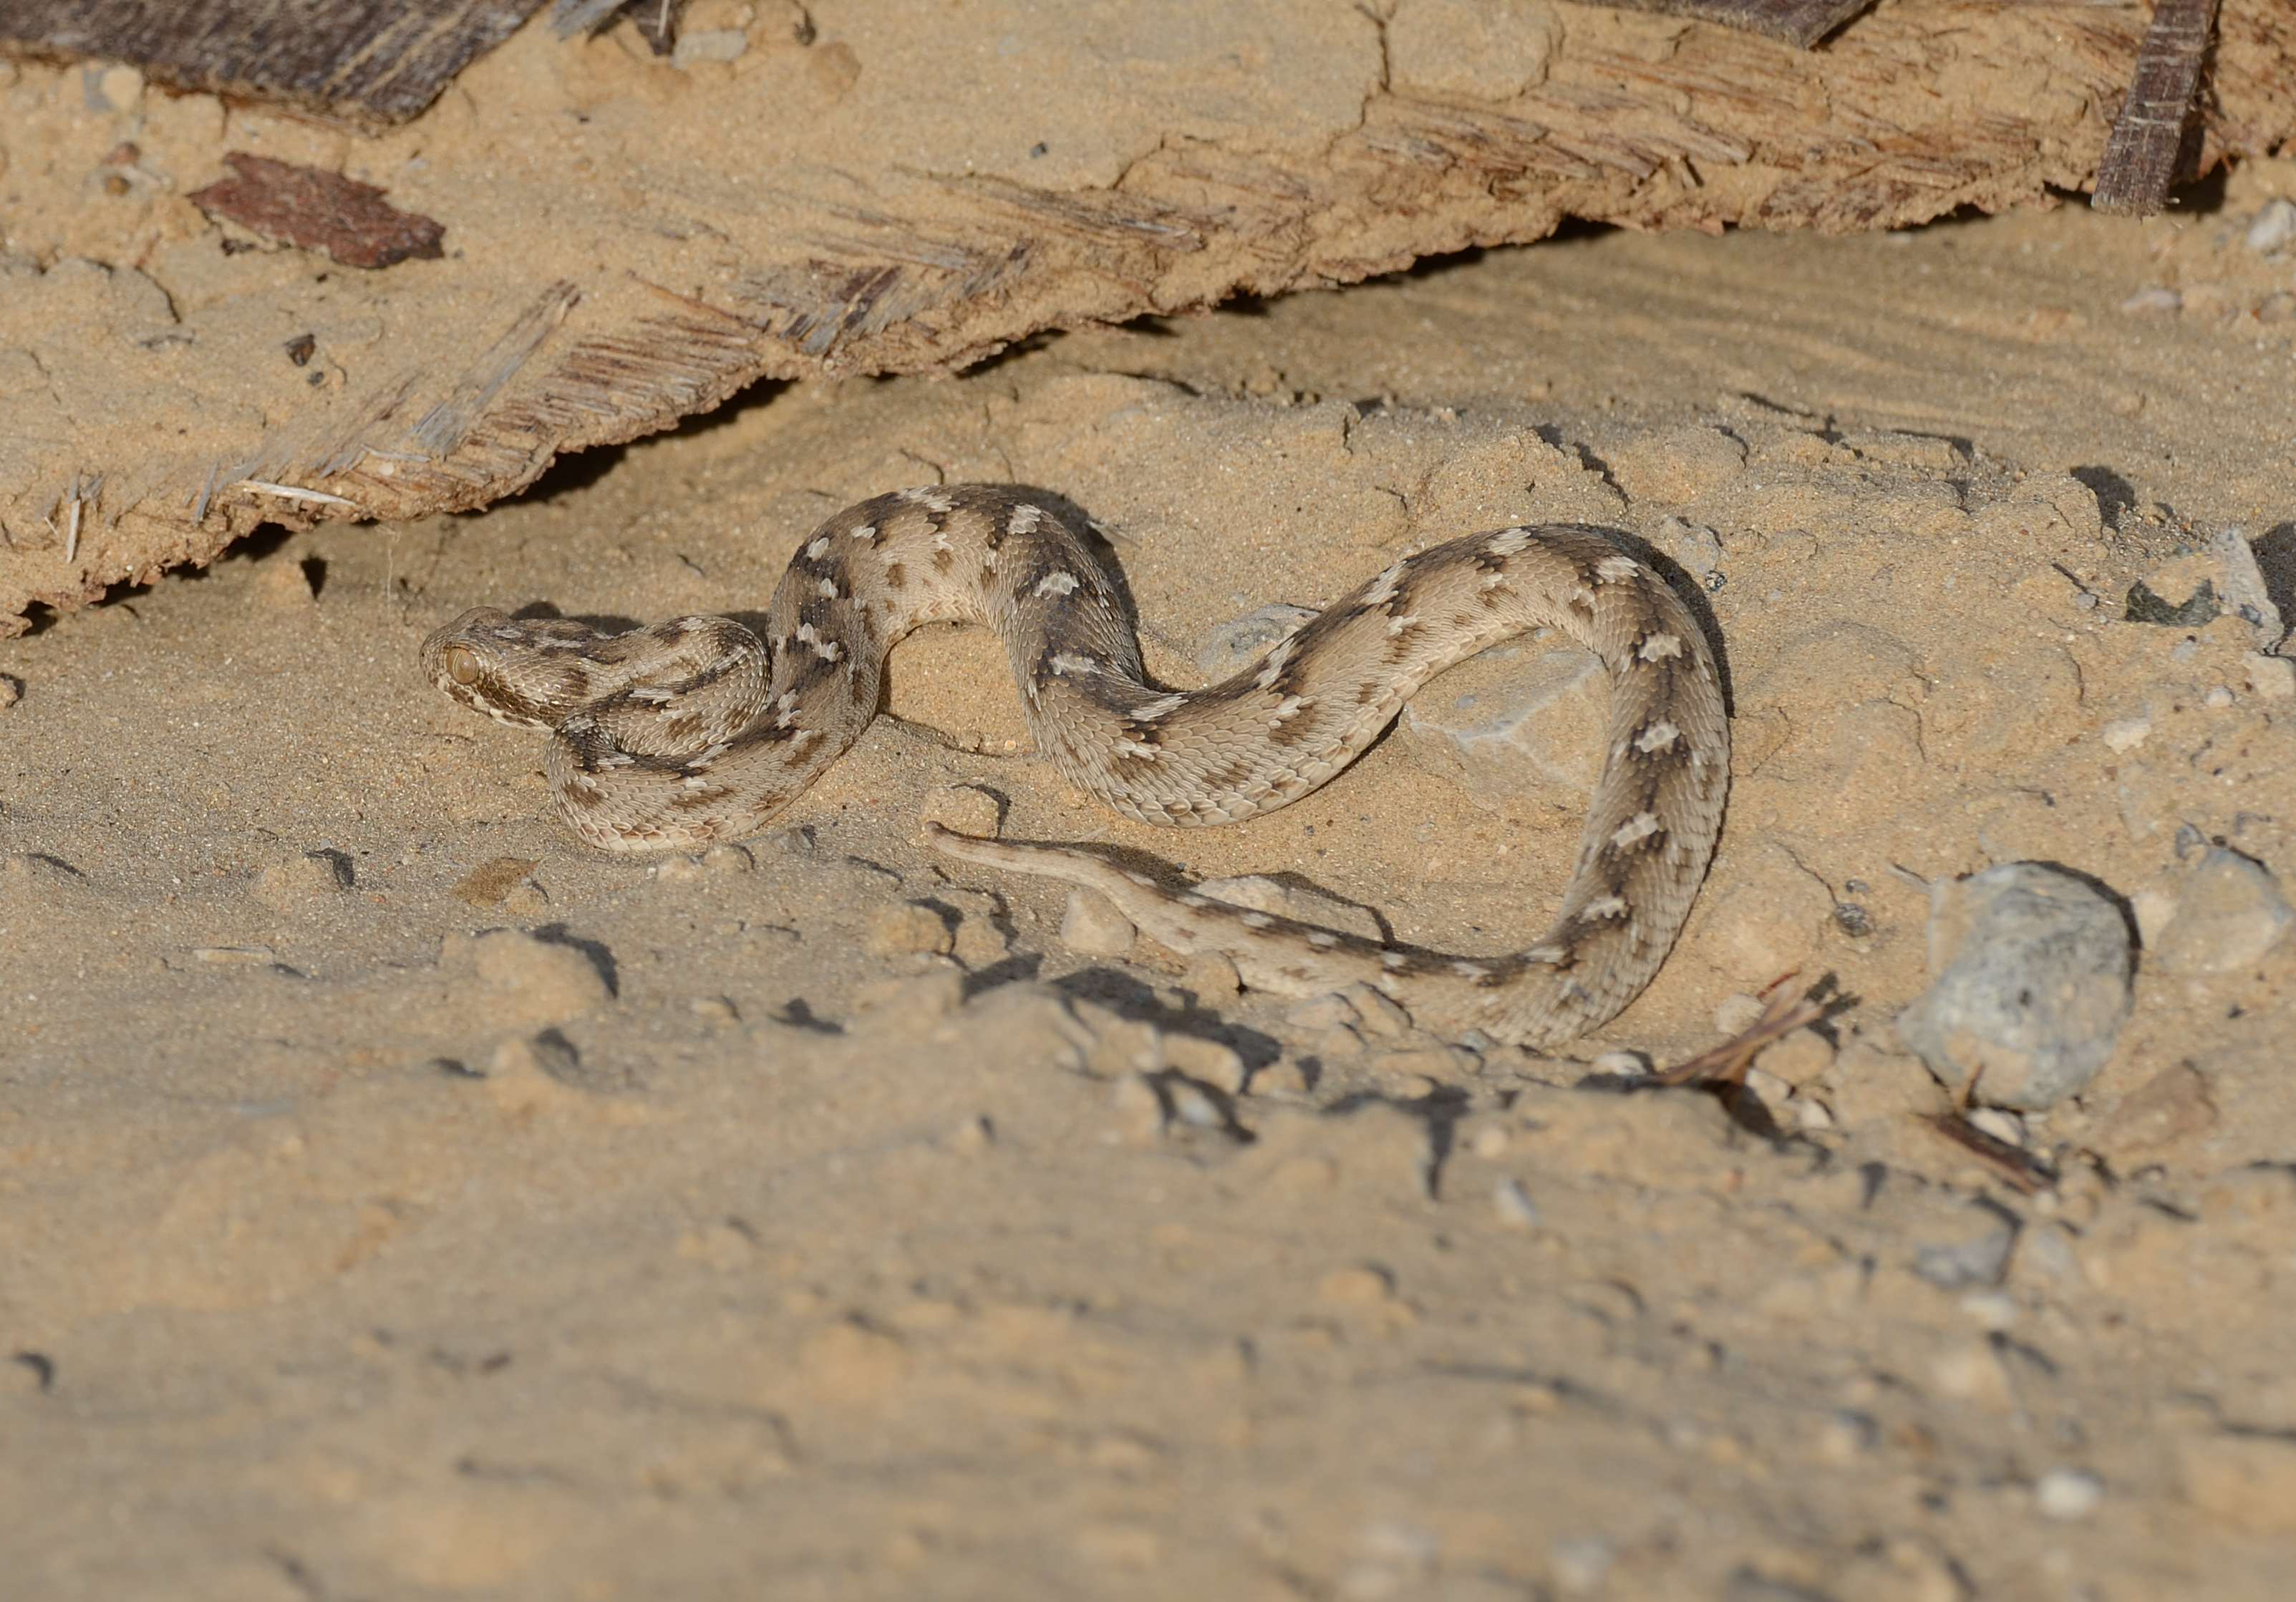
2031, 985
2229, 915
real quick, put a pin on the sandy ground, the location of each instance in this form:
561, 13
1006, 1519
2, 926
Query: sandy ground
397, 1200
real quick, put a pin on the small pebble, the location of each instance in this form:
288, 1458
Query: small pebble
2153, 303
1846, 1437
714, 1009
2229, 915
1093, 925
1813, 1115
1211, 976
907, 929
1768, 1087
1621, 1065
1579, 1565
1801, 1058
1513, 1205
2030, 971
2070, 1493
1993, 1312
2272, 228
12, 691
1980, 1260
1696, 547
2002, 1125
1380, 1017
2124, 735
708, 45
1736, 1014
1240, 642
2218, 698
1207, 1061
1139, 1109
965, 809
2269, 678
305, 877
527, 979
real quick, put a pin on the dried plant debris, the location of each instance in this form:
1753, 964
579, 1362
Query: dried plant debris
318, 211
656, 20
1802, 23
370, 62
1784, 1010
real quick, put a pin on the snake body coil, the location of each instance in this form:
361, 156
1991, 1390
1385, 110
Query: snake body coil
693, 730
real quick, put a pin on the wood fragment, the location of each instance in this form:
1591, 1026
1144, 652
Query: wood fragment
1802, 23
2013, 1165
318, 211
1782, 1013
370, 62
2155, 140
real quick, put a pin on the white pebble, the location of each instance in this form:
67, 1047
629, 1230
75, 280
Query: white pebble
2068, 1493
2002, 1124
2218, 698
2273, 227
1513, 1205
2126, 733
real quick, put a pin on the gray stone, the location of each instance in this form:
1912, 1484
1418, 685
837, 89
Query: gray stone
2031, 985
1513, 721
1235, 645
2229, 913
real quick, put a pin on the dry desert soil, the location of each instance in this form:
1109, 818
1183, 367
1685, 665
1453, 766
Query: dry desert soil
398, 1199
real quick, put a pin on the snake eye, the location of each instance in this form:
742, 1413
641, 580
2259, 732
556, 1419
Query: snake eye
462, 664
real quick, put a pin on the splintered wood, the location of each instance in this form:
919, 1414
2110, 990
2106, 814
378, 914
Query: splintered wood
370, 62
2155, 141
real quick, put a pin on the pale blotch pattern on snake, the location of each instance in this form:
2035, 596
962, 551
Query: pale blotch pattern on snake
695, 730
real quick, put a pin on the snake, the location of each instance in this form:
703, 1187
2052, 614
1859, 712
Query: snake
698, 730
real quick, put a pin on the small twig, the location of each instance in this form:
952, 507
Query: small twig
71, 524
317, 497
2015, 1167
1782, 1013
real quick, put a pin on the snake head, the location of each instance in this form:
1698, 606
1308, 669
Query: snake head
518, 671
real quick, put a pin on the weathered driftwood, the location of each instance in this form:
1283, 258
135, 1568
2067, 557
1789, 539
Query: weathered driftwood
2155, 139
763, 261
370, 62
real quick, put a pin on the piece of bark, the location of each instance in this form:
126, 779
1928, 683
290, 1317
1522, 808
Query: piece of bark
369, 63
318, 211
2153, 140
